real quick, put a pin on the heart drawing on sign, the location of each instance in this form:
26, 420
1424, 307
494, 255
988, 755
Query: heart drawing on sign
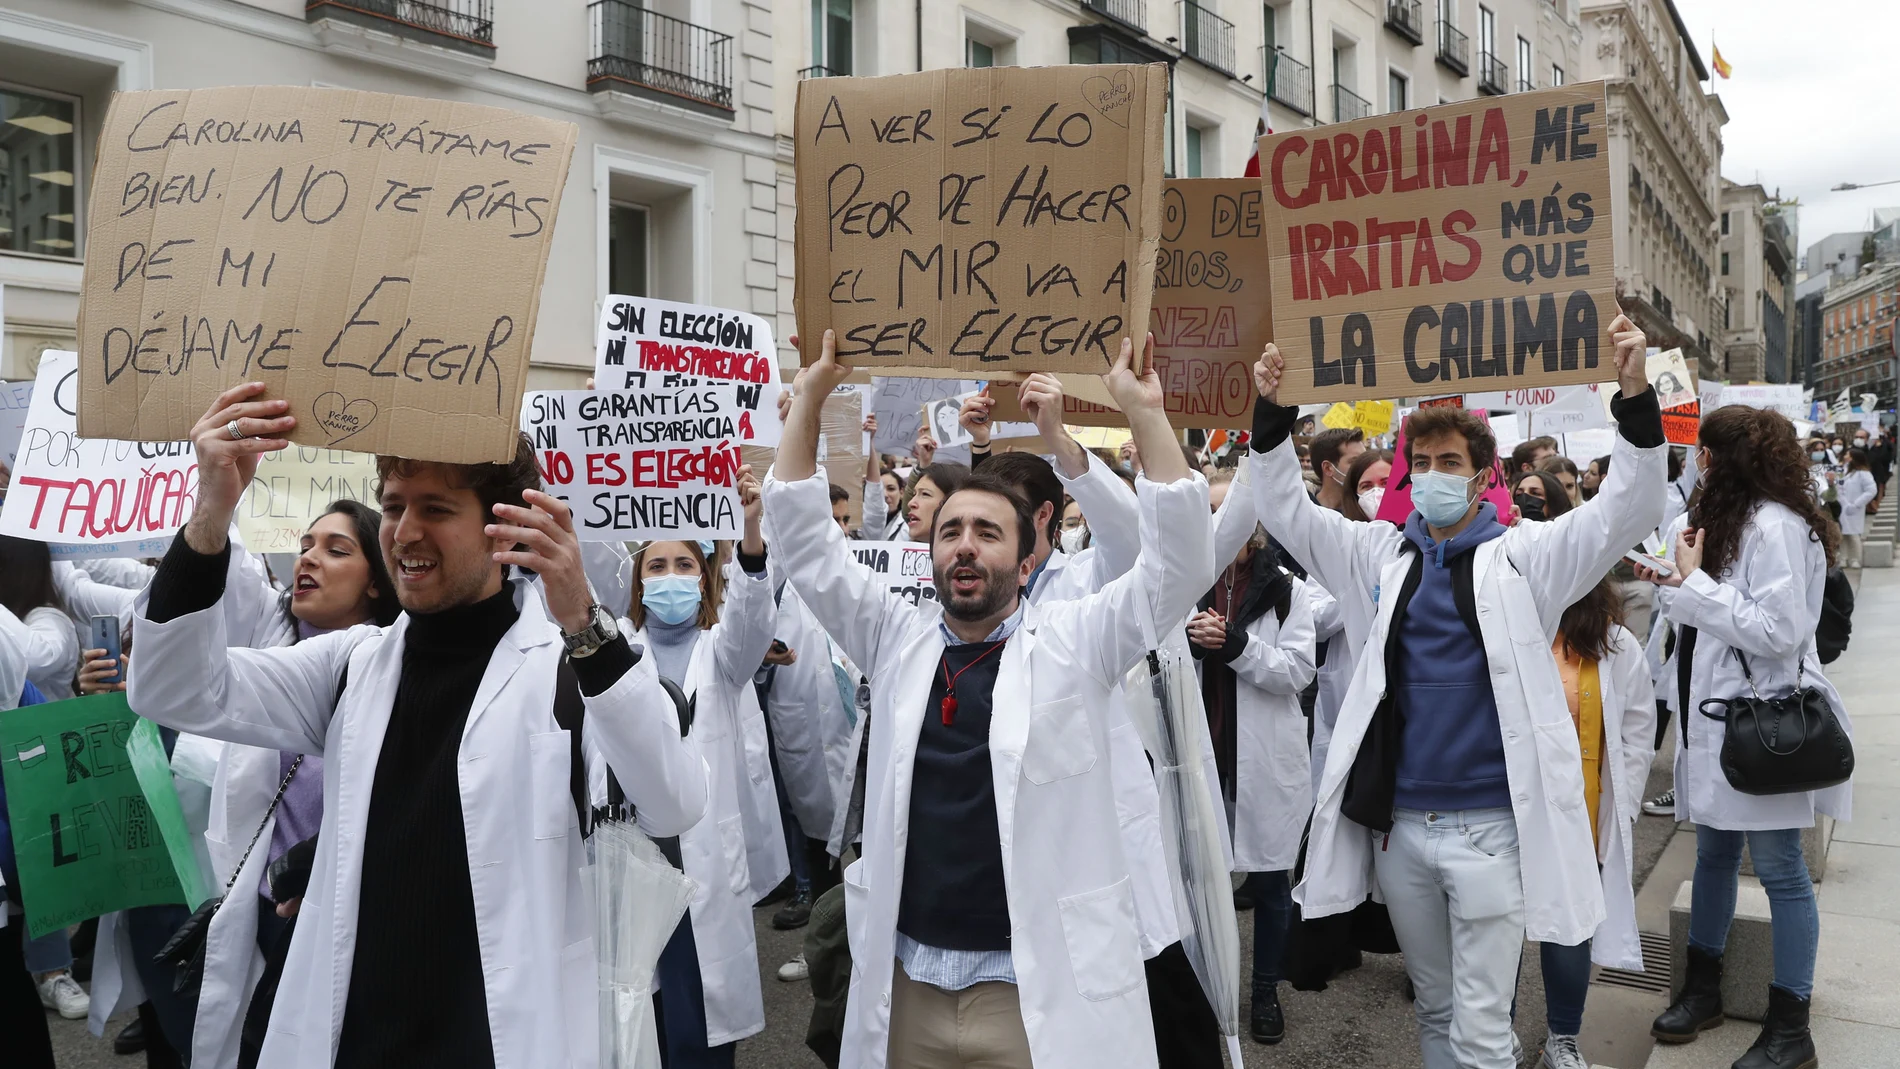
1110, 96
341, 419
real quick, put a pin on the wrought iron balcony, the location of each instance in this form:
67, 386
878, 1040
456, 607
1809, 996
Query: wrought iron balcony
1289, 81
1524, 85
820, 72
649, 54
1133, 13
1454, 48
1403, 18
1207, 37
468, 23
1492, 77
1348, 105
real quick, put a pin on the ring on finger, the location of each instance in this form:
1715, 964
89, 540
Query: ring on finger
237, 433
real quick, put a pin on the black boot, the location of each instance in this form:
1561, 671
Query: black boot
1269, 1023
1784, 1042
1699, 1005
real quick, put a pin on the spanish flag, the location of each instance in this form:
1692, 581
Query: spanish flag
1721, 65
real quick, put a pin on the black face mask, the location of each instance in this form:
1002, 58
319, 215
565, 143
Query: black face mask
1531, 508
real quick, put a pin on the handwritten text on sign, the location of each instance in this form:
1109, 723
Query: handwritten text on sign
904, 565
663, 463
644, 340
293, 487
376, 259
91, 491
1467, 245
985, 219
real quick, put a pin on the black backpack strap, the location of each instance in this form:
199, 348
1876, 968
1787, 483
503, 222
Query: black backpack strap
570, 711
1464, 596
1685, 665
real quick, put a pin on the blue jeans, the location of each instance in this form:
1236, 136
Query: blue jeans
680, 1004
1272, 913
1566, 982
1795, 919
49, 953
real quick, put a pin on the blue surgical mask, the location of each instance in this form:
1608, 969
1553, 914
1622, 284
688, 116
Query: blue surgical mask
1441, 498
672, 599
706, 548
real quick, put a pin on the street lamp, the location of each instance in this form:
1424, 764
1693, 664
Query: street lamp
1846, 186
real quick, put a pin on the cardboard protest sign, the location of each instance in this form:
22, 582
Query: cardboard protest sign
658, 463
292, 487
645, 340
979, 220
15, 398
904, 565
105, 494
841, 446
87, 838
1462, 245
376, 259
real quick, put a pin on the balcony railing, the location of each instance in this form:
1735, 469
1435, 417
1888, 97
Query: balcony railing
1348, 105
1127, 12
820, 72
472, 21
1492, 77
645, 50
1454, 48
1524, 85
1207, 37
1403, 18
1288, 80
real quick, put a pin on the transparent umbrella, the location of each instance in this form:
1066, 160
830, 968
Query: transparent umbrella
638, 900
1163, 701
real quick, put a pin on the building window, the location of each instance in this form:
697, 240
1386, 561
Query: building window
1270, 26
831, 35
1487, 32
978, 54
1556, 75
1448, 12
1524, 66
629, 250
1725, 228
1195, 136
1725, 263
39, 173
1398, 94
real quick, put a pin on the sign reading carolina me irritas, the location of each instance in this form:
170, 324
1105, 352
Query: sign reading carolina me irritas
1466, 246
979, 220
375, 259
662, 462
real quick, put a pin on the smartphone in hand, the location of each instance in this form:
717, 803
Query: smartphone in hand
1636, 556
105, 636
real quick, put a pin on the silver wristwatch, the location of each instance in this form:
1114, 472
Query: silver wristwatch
600, 630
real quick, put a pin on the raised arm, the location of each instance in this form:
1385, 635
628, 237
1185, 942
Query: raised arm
744, 632
1111, 510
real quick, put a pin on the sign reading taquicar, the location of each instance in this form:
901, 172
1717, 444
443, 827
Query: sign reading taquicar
1465, 246
979, 220
376, 259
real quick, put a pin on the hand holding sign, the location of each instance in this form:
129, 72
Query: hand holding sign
1042, 401
754, 503
545, 544
238, 427
1631, 377
1267, 372
974, 416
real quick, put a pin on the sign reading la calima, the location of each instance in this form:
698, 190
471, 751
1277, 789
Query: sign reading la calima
1466, 246
979, 220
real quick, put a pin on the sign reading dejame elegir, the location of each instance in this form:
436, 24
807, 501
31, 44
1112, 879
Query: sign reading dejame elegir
1463, 247
979, 220
376, 259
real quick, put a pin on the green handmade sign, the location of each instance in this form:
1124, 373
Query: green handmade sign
88, 838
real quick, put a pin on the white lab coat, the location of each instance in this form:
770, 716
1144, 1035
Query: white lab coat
808, 719
525, 851
1854, 492
735, 853
1273, 790
1766, 605
1522, 582
1075, 941
1629, 725
46, 641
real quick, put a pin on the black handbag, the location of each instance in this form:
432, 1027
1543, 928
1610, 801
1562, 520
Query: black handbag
1781, 745
185, 950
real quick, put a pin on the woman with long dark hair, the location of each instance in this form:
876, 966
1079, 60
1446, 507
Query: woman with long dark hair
1856, 492
1745, 593
930, 486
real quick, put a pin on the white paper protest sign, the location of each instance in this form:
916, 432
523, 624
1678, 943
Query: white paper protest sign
1577, 408
656, 463
117, 498
941, 416
15, 399
293, 487
645, 341
904, 565
898, 404
1784, 398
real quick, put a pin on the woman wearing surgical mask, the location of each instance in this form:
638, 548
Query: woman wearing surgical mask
1075, 529
1539, 495
707, 630
1366, 477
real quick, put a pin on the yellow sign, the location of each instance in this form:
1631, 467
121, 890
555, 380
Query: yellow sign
1340, 417
1373, 417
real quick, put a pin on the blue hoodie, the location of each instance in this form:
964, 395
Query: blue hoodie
1451, 752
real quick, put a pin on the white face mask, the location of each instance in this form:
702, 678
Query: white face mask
1075, 539
1370, 500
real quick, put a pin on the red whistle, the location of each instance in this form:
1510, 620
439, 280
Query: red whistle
949, 709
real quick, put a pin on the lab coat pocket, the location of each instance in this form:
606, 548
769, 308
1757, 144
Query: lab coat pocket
1061, 741
1100, 929
1560, 763
551, 804
857, 899
732, 847
1520, 613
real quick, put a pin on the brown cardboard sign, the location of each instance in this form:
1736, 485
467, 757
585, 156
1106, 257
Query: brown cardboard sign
1461, 247
1212, 310
979, 220
376, 259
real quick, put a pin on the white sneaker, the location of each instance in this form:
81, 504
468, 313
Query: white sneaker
1517, 1048
794, 970
1663, 805
62, 993
1560, 1052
